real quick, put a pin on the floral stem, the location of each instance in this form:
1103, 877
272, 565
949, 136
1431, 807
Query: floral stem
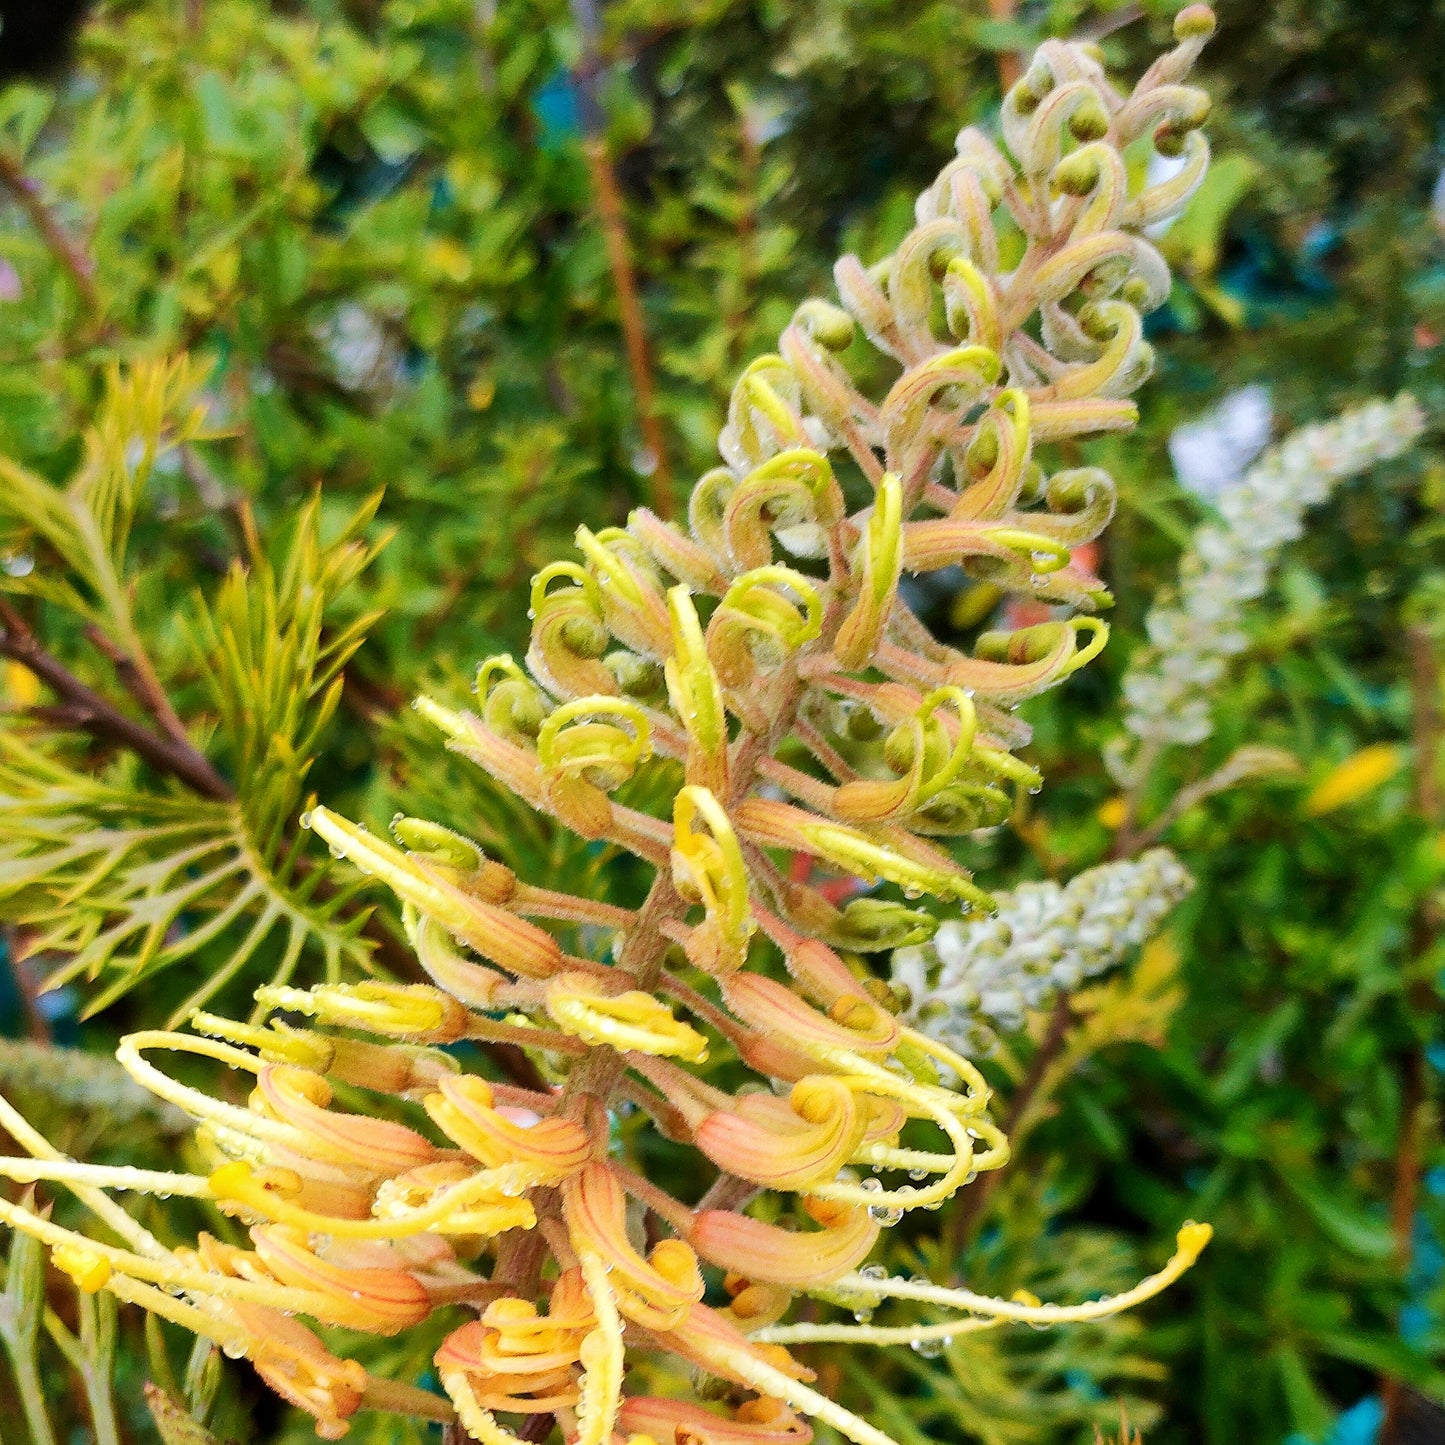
1405, 1192
73, 260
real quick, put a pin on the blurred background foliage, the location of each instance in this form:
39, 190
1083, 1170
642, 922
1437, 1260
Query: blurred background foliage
500, 260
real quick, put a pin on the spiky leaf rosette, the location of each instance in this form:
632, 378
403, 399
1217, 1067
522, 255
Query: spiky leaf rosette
737, 659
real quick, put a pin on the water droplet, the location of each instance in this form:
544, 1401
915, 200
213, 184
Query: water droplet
884, 1215
305, 819
873, 1186
917, 1174
930, 1349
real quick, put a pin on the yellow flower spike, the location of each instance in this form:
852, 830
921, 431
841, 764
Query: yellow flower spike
708, 868
497, 934
463, 1109
88, 1269
444, 963
601, 1357
656, 1292
971, 305
569, 634
787, 1143
276, 1043
513, 706
882, 564
794, 496
302, 1371
1355, 778
755, 1422
631, 602
736, 1358
771, 1008
696, 695
474, 1204
863, 857
755, 398
757, 625
787, 1257
394, 1010
628, 1021
378, 1301
301, 1099
575, 743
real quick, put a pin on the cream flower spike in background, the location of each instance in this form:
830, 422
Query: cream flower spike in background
732, 660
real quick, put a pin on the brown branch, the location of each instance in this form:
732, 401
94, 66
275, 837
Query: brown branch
585, 75
1425, 730
634, 330
139, 679
85, 710
974, 1202
71, 257
1010, 67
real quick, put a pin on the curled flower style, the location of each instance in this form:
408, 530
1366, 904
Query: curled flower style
724, 703
980, 977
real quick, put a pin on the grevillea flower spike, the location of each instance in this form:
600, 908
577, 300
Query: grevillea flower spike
767, 656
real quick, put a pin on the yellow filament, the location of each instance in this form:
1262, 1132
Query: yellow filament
919, 1197
602, 1358
478, 1422
19, 1128
958, 758
768, 1380
193, 1101
607, 744
447, 1212
168, 1273
714, 864
803, 1334
1189, 1244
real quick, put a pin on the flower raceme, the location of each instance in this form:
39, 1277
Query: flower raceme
763, 664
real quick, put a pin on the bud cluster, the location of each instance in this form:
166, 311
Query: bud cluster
1168, 688
980, 977
761, 673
